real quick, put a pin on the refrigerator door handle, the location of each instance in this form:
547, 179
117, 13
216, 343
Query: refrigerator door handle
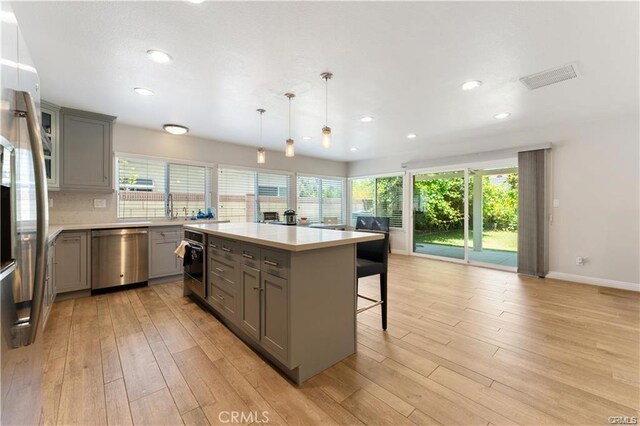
25, 332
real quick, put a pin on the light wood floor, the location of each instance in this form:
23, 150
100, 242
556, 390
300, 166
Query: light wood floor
464, 346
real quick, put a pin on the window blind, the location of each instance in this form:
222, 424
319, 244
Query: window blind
187, 184
243, 195
141, 188
377, 197
319, 198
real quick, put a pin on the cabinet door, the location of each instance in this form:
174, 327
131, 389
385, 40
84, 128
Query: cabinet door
71, 262
274, 332
163, 261
86, 147
250, 312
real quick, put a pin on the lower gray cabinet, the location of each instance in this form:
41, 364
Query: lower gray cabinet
163, 261
71, 262
250, 312
274, 332
49, 283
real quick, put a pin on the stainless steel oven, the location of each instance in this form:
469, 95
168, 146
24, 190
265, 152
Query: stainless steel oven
195, 266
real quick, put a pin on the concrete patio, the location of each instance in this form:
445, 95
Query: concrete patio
496, 257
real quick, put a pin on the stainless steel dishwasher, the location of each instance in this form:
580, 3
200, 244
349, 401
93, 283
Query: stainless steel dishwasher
119, 257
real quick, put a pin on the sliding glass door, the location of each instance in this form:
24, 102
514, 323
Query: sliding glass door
468, 214
493, 216
438, 214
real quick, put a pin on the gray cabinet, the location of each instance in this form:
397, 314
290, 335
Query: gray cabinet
274, 330
248, 285
50, 283
49, 116
71, 262
251, 290
86, 150
163, 242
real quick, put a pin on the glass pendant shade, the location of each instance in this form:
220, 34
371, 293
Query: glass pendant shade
289, 150
262, 156
326, 137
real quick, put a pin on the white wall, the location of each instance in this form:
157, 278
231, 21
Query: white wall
595, 166
77, 207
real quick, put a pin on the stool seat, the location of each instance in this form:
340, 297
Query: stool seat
368, 267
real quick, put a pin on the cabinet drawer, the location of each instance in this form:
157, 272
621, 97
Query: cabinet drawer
169, 233
224, 248
275, 262
222, 299
250, 255
224, 268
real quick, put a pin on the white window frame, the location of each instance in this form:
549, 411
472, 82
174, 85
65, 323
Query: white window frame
214, 183
208, 196
346, 187
403, 175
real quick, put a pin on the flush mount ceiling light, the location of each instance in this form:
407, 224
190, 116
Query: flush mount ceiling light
502, 115
289, 150
143, 91
366, 119
175, 129
326, 130
196, 1
306, 138
159, 56
412, 136
262, 154
472, 84
353, 149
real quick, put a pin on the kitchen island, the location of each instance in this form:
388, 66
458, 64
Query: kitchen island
287, 291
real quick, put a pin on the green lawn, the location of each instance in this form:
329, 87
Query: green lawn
494, 240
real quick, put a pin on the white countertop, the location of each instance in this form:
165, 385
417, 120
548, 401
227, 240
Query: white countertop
291, 238
54, 229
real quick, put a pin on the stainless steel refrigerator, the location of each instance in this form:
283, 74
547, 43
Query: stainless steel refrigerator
23, 233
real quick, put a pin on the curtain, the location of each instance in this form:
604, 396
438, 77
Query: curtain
533, 211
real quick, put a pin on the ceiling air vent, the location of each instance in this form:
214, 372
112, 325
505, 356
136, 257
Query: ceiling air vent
549, 77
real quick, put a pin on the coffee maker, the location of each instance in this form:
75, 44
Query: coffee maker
289, 217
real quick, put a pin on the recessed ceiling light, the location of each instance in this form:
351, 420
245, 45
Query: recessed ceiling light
366, 119
472, 84
143, 91
159, 56
306, 138
412, 136
175, 129
502, 115
353, 149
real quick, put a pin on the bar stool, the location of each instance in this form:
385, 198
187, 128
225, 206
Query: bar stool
373, 259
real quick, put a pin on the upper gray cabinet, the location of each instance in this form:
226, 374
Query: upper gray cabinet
49, 115
86, 151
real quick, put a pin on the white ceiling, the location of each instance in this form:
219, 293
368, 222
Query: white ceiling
400, 63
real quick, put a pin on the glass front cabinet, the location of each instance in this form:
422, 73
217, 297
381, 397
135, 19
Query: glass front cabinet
50, 124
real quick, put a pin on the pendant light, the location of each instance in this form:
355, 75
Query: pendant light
326, 130
262, 154
289, 150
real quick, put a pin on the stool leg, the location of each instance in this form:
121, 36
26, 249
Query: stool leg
383, 297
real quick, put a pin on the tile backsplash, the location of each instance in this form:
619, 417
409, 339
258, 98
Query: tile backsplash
78, 207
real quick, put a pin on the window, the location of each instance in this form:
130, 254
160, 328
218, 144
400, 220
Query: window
144, 186
237, 189
319, 198
377, 197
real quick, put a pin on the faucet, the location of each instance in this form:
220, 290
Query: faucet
186, 215
170, 206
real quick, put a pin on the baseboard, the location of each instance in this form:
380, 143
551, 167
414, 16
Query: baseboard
603, 282
397, 251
